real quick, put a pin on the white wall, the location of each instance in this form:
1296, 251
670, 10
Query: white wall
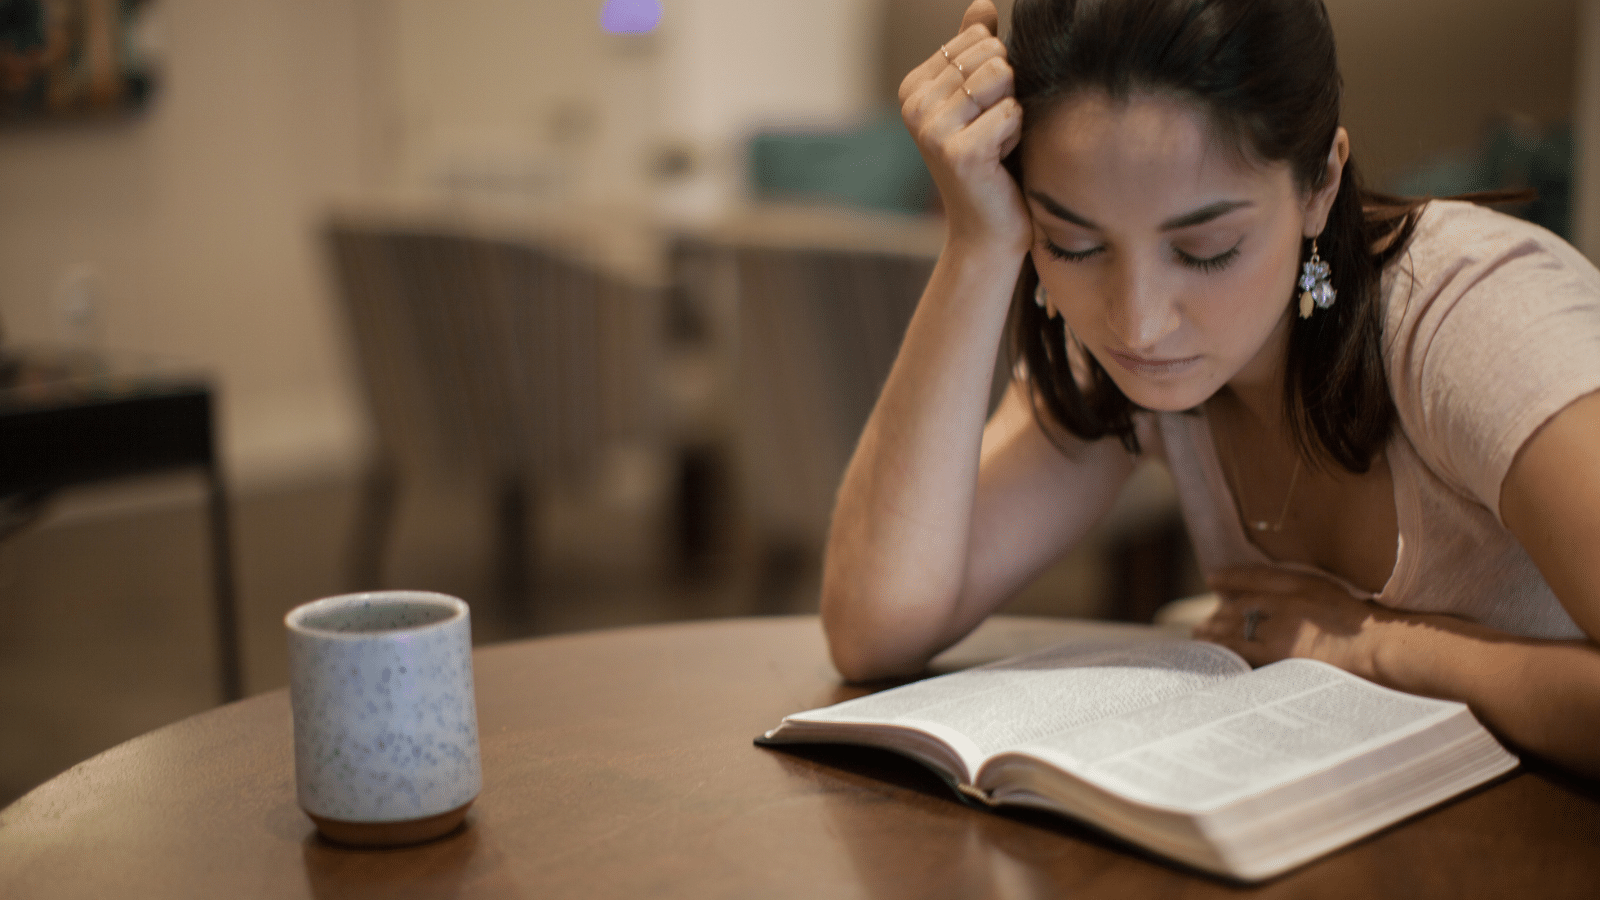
199, 219
501, 96
535, 98
731, 65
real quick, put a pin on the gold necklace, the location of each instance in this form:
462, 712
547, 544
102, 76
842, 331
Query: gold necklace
1238, 484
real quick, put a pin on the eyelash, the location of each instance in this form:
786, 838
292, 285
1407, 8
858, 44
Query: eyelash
1208, 264
1071, 255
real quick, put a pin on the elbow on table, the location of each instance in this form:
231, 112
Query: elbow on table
864, 647
857, 662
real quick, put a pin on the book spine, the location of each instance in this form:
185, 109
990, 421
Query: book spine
973, 792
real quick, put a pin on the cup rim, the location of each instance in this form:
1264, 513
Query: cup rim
294, 619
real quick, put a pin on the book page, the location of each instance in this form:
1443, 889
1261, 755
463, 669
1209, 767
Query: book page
1239, 736
1002, 705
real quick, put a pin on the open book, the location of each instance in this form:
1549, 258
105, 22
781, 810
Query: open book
1178, 746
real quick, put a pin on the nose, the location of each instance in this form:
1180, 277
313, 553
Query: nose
1141, 307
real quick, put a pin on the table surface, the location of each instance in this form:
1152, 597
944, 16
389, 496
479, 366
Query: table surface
46, 377
620, 763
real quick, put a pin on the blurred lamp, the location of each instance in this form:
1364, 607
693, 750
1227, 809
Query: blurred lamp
630, 16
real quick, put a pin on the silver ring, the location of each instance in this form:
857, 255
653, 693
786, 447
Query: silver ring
1252, 618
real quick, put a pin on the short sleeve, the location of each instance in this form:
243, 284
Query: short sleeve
1493, 327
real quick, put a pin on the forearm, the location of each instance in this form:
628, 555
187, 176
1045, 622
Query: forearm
1542, 696
899, 541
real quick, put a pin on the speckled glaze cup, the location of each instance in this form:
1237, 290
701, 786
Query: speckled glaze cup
385, 723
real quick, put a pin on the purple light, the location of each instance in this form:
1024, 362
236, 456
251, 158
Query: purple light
630, 16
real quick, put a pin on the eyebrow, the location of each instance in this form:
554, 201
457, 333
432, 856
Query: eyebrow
1199, 217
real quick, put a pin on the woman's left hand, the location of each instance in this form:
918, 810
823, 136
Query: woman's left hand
1295, 615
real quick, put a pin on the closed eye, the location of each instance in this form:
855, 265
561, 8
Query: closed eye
1209, 263
1072, 255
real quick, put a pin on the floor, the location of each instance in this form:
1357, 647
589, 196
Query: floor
106, 612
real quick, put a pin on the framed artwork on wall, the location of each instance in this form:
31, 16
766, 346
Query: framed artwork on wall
74, 59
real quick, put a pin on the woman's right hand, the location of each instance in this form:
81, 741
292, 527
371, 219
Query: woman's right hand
959, 105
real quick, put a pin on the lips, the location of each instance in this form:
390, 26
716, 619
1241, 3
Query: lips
1147, 366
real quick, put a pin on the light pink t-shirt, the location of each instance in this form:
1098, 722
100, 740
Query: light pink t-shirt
1493, 326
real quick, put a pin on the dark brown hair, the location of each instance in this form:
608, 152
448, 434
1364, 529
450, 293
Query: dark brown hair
1266, 74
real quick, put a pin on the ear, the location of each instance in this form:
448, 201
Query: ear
1318, 203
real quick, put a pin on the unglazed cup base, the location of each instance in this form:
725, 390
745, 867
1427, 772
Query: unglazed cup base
391, 834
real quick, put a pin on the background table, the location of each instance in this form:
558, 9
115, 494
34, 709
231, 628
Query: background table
69, 418
620, 764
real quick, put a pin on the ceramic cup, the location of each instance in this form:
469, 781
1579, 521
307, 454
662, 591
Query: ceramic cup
385, 724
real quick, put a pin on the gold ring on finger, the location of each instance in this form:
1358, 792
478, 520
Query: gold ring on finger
952, 61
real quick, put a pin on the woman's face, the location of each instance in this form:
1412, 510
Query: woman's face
1172, 259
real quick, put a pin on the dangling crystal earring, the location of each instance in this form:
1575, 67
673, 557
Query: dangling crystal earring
1315, 288
1041, 297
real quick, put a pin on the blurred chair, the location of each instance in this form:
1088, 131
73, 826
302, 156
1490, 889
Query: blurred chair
809, 311
818, 332
496, 358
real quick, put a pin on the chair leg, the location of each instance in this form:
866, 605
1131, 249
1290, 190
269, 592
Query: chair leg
380, 489
700, 513
513, 514
787, 569
227, 611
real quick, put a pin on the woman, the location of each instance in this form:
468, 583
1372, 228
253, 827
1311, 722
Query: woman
1381, 416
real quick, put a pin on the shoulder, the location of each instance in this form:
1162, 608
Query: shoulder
1492, 325
1469, 272
1454, 239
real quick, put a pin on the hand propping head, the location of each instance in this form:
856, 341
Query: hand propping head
959, 105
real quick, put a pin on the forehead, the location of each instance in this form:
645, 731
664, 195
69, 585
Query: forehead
1146, 146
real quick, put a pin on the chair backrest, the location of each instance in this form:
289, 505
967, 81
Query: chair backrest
495, 355
818, 330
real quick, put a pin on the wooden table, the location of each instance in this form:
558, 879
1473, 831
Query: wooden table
620, 764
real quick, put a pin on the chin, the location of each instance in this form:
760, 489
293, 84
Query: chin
1166, 395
